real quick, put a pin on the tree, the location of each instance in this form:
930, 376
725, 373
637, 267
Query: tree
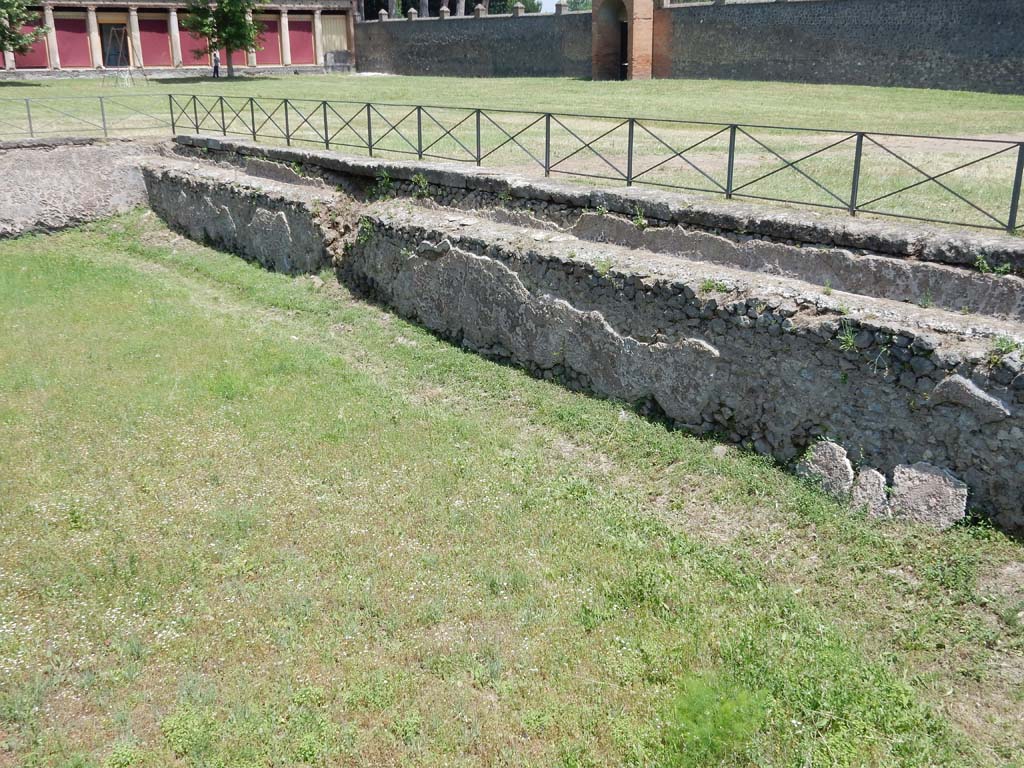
505, 6
14, 14
580, 5
226, 24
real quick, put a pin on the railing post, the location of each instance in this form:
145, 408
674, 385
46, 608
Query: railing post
629, 154
855, 188
369, 130
170, 106
479, 157
28, 114
195, 113
327, 135
103, 117
252, 117
732, 162
223, 122
1011, 223
419, 133
287, 127
547, 144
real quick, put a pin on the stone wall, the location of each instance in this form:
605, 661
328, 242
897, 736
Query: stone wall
511, 269
973, 45
950, 44
276, 225
535, 45
759, 363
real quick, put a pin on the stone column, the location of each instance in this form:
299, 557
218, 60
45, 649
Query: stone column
460, 7
250, 55
51, 37
479, 11
350, 34
133, 31
641, 40
424, 9
444, 13
318, 37
172, 28
518, 9
561, 8
286, 43
8, 55
93, 29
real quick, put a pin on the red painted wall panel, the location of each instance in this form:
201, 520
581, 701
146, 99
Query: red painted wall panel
270, 40
36, 56
237, 57
300, 34
190, 43
156, 43
72, 42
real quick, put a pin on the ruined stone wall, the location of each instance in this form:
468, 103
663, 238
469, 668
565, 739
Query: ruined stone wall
541, 45
765, 361
975, 45
276, 225
755, 364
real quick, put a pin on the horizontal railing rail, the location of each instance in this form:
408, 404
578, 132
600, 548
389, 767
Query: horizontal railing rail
960, 181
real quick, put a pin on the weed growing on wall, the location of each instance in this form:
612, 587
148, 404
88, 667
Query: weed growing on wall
421, 187
365, 231
1002, 347
847, 338
384, 188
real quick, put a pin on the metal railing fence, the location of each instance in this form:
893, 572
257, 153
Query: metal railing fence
973, 182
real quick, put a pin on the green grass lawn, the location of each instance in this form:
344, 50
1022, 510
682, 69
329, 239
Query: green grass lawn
248, 521
145, 110
843, 107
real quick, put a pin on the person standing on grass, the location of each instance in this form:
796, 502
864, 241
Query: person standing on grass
216, 63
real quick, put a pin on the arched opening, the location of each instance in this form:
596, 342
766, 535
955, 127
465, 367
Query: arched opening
611, 41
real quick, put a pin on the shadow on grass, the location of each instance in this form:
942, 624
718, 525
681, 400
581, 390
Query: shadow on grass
208, 79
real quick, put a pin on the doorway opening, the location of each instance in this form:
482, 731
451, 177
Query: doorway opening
610, 41
623, 50
114, 43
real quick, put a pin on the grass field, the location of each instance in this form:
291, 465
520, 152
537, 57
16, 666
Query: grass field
144, 109
249, 521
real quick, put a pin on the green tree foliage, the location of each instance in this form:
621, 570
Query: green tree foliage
580, 5
505, 6
14, 14
224, 24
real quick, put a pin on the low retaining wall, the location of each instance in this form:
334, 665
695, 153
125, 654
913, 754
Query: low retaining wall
276, 225
769, 362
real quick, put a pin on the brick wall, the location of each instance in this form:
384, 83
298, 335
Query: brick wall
540, 45
951, 44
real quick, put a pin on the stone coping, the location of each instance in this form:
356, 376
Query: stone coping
893, 238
